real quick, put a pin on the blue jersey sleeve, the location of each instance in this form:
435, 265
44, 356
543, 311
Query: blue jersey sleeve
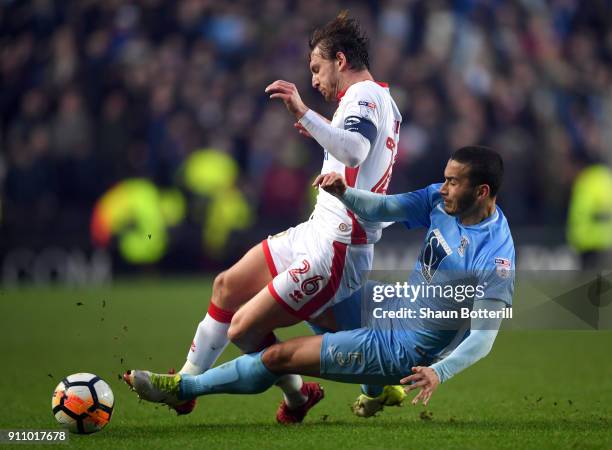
496, 272
418, 205
373, 207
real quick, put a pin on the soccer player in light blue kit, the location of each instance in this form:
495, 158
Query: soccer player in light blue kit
468, 242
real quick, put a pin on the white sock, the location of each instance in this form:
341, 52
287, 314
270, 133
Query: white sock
208, 343
291, 386
190, 368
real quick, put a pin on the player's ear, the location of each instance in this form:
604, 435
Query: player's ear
341, 61
483, 191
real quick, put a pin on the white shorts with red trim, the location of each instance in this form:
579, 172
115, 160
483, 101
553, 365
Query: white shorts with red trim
312, 272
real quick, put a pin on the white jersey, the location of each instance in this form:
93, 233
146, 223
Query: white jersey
370, 101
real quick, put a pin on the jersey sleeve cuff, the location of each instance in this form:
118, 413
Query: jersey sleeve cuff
438, 372
309, 119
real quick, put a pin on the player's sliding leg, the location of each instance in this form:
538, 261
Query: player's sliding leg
256, 372
357, 356
248, 374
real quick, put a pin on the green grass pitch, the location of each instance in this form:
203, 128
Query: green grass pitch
535, 390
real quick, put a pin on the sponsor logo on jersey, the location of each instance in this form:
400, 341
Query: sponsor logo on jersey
503, 267
433, 253
366, 109
367, 104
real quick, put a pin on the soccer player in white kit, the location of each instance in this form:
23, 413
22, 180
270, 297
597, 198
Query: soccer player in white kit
298, 274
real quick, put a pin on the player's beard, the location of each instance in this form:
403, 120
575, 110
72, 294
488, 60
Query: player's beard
464, 203
331, 93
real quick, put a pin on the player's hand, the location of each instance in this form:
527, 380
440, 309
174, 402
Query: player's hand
331, 182
289, 94
424, 378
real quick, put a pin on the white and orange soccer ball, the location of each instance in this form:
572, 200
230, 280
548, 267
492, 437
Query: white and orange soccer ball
83, 403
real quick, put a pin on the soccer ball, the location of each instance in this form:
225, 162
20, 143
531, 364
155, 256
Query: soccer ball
83, 403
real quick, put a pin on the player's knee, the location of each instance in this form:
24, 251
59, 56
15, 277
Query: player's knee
237, 331
224, 290
218, 285
234, 332
276, 358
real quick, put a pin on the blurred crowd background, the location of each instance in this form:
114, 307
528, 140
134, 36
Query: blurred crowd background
95, 92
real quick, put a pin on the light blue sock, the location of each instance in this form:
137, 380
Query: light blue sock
372, 390
244, 375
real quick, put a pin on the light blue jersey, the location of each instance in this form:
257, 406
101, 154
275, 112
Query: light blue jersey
452, 255
455, 256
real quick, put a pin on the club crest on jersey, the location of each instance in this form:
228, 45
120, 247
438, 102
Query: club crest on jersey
433, 253
463, 245
503, 267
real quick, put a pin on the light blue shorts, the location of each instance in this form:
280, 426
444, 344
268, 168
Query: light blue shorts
367, 356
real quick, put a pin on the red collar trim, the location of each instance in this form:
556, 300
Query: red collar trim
341, 93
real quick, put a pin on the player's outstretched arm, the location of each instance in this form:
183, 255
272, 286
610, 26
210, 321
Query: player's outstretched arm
367, 205
475, 347
349, 147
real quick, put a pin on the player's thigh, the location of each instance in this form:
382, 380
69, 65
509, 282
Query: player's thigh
243, 280
256, 319
365, 356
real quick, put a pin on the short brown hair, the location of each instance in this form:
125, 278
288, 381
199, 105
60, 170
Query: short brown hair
343, 34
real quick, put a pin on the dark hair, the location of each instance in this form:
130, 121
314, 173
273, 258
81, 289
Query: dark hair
486, 166
343, 34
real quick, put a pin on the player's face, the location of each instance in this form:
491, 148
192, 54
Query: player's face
325, 75
459, 195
